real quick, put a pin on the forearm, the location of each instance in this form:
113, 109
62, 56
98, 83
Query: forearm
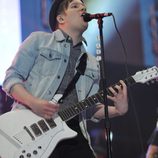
41, 107
20, 94
112, 111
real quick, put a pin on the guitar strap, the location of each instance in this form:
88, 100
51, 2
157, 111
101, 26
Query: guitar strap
80, 71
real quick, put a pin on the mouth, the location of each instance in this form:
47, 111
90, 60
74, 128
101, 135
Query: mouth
83, 13
82, 16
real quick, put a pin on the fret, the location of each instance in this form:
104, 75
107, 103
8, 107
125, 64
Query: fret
93, 101
100, 96
68, 112
95, 98
76, 108
60, 113
84, 105
64, 114
72, 110
81, 105
88, 101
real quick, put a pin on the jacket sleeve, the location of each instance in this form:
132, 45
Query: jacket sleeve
22, 63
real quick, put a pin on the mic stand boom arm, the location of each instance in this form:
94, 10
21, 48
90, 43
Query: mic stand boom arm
103, 87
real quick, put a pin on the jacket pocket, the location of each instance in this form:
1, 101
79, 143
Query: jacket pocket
91, 74
48, 62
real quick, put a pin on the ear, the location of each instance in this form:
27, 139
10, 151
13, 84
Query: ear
60, 19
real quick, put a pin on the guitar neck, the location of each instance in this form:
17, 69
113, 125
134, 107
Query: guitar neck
76, 109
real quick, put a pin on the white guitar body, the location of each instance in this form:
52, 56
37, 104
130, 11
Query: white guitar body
15, 142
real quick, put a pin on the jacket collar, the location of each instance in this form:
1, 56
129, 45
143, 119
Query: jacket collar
61, 36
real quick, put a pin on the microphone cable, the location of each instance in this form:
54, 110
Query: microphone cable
129, 90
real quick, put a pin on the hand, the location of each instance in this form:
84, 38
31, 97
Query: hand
45, 108
119, 97
152, 151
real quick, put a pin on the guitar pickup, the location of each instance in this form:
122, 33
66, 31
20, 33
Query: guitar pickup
51, 123
43, 125
36, 130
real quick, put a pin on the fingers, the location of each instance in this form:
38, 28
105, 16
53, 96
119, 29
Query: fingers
116, 89
50, 110
53, 107
113, 92
122, 84
47, 117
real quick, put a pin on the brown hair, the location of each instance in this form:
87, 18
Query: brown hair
63, 6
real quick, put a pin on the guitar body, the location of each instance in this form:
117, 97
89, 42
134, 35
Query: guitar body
16, 141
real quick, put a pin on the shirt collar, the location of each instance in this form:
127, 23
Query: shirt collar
60, 36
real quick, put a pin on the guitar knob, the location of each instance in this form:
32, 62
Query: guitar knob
28, 155
35, 152
23, 151
21, 156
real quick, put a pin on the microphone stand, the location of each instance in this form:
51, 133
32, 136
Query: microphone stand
103, 88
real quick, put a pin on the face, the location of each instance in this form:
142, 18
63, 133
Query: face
72, 16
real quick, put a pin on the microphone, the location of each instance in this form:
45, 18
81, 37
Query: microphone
88, 17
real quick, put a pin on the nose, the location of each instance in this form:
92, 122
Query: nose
83, 9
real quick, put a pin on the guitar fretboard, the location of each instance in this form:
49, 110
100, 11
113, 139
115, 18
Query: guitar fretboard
75, 109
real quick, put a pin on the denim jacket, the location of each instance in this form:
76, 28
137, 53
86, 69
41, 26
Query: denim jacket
40, 65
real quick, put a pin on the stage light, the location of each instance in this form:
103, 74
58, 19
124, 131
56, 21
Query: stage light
10, 33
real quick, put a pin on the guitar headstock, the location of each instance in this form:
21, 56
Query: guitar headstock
146, 75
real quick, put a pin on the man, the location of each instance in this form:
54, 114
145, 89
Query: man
152, 151
45, 65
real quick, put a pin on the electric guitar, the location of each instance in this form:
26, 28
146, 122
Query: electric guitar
24, 134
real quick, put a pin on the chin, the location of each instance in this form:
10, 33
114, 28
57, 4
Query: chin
84, 28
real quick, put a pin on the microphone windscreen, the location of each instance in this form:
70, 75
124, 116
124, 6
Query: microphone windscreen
86, 17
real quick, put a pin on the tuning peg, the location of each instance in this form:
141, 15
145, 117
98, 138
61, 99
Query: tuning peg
151, 82
148, 83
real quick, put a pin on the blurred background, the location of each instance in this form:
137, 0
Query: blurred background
137, 22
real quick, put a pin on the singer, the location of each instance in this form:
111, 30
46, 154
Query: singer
45, 65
